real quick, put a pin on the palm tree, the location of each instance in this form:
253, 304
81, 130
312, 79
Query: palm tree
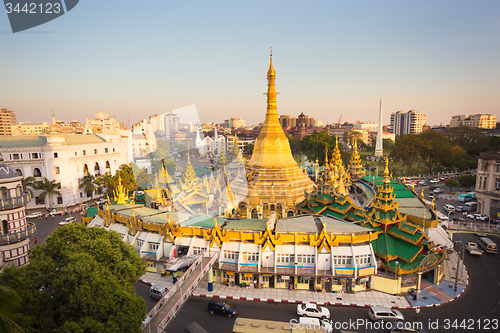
48, 187
7, 295
88, 183
28, 184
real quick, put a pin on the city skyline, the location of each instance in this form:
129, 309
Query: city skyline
331, 59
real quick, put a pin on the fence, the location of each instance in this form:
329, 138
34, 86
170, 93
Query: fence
187, 292
474, 226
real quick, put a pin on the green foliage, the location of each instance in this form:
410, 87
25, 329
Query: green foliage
248, 150
28, 184
48, 188
467, 180
110, 183
142, 179
451, 183
9, 300
80, 280
88, 184
313, 146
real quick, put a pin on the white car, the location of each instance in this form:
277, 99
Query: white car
480, 217
434, 181
312, 310
438, 190
34, 215
68, 220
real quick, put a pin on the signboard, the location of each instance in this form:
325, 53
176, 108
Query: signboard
230, 273
285, 277
248, 275
344, 271
267, 275
366, 271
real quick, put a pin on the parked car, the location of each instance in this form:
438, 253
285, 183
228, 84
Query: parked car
34, 215
68, 220
382, 313
217, 305
424, 183
438, 190
432, 187
312, 310
434, 181
457, 219
459, 208
407, 327
480, 217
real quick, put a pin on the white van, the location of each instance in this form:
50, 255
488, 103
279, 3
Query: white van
487, 245
449, 208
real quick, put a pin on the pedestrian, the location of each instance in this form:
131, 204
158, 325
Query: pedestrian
417, 311
46, 217
36, 241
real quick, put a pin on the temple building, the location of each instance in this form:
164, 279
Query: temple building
275, 182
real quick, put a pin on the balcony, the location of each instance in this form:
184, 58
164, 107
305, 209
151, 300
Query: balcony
21, 200
18, 236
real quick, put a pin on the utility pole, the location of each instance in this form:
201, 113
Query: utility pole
458, 264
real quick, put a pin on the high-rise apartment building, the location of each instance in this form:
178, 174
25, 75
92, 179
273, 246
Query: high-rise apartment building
170, 122
486, 121
234, 123
7, 120
287, 121
410, 122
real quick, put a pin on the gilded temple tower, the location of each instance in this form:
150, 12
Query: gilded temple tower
272, 166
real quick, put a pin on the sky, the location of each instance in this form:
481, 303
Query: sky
134, 58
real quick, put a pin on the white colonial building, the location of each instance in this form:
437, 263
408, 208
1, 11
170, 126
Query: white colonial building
66, 159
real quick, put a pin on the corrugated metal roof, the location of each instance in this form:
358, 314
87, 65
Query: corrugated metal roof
7, 141
83, 139
301, 223
255, 225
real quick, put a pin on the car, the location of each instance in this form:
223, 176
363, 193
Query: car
313, 310
223, 307
434, 181
459, 208
470, 216
382, 313
480, 217
481, 235
424, 183
407, 327
157, 291
68, 220
449, 208
457, 219
432, 187
34, 215
438, 190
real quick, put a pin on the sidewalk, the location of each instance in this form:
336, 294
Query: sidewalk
430, 295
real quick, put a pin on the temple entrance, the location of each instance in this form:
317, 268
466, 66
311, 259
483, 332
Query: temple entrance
254, 214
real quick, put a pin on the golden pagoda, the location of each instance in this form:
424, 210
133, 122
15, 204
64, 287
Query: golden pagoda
189, 174
274, 172
355, 164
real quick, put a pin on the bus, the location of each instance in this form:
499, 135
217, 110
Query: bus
487, 245
467, 197
302, 325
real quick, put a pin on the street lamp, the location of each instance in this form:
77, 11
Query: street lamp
458, 263
396, 269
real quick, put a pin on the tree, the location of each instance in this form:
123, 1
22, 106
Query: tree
405, 149
248, 149
467, 180
451, 183
28, 184
352, 136
88, 184
49, 188
80, 280
8, 301
313, 146
142, 179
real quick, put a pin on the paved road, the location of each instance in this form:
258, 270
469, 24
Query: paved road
477, 308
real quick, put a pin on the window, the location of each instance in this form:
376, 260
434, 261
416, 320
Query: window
305, 259
106, 150
231, 255
286, 258
59, 199
55, 155
35, 155
39, 200
58, 185
15, 156
57, 170
19, 172
497, 184
140, 242
113, 150
497, 167
81, 194
154, 246
76, 153
250, 256
84, 153
95, 151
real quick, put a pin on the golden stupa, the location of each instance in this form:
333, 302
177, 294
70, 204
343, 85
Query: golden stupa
274, 176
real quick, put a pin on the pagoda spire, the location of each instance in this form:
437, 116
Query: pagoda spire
386, 171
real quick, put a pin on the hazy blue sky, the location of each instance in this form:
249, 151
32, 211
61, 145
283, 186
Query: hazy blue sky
137, 58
